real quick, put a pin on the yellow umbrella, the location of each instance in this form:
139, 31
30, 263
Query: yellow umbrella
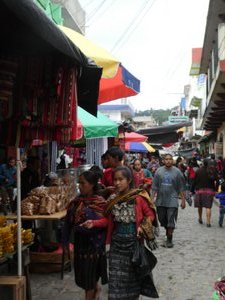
138, 147
100, 56
149, 147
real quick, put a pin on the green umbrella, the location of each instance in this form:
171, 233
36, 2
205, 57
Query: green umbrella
95, 127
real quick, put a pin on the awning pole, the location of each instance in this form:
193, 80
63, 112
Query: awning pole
19, 242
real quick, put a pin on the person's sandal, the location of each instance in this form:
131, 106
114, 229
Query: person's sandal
208, 225
200, 221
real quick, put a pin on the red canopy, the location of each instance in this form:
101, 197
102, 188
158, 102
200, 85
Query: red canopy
135, 137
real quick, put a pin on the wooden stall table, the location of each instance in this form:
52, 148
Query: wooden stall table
10, 259
56, 216
53, 217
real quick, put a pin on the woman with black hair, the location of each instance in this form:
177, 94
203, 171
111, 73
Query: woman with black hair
85, 215
131, 215
205, 184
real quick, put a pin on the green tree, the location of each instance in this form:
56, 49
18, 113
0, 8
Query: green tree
160, 115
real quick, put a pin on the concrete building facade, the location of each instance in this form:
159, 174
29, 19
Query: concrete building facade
213, 65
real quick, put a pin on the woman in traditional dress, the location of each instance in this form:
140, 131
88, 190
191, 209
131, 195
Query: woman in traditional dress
139, 177
128, 210
86, 216
205, 187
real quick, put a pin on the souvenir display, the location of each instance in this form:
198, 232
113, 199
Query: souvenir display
8, 236
46, 200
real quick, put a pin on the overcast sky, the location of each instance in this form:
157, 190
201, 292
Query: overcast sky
153, 40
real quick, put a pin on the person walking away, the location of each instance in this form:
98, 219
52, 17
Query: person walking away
221, 197
127, 211
205, 185
168, 185
191, 171
219, 166
85, 215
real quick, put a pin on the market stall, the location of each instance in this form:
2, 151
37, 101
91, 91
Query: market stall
96, 131
93, 133
27, 31
43, 76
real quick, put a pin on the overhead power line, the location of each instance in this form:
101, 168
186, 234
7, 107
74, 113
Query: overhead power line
132, 26
96, 9
92, 19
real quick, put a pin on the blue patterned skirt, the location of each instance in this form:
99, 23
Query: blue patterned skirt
124, 283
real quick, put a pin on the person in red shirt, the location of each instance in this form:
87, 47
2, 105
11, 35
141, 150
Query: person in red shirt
191, 171
106, 178
113, 158
139, 178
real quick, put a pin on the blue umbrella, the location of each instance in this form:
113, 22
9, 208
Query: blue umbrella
138, 147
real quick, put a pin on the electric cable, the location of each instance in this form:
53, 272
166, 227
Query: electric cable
95, 10
130, 24
87, 4
126, 34
89, 22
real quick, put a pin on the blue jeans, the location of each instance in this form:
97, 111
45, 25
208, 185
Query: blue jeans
222, 212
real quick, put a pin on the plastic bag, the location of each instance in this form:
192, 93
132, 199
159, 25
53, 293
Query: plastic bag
143, 260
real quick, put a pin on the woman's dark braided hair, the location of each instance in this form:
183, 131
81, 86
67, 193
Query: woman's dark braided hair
92, 178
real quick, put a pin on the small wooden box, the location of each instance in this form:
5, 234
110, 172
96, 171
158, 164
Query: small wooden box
12, 287
48, 262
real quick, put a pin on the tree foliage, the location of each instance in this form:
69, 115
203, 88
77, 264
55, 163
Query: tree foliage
160, 115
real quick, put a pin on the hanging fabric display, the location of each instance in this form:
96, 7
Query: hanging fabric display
48, 103
7, 76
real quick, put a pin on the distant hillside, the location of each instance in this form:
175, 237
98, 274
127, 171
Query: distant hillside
160, 115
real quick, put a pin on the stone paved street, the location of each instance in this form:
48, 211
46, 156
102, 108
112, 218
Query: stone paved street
186, 272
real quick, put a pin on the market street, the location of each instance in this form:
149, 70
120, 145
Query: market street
186, 272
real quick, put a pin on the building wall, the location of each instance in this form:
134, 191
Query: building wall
74, 15
144, 122
113, 115
65, 12
118, 110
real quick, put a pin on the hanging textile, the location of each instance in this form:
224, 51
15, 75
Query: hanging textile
94, 150
44, 106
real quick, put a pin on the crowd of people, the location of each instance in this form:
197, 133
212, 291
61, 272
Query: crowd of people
121, 206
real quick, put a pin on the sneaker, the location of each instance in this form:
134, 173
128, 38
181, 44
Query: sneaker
169, 242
